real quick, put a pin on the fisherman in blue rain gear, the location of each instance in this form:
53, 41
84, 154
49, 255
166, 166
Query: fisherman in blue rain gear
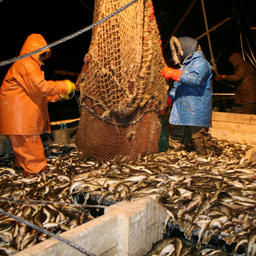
191, 95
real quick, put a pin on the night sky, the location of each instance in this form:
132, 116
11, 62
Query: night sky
55, 19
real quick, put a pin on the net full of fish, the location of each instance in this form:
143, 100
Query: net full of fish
207, 198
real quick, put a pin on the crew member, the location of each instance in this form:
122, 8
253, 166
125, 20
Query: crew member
244, 77
24, 97
191, 95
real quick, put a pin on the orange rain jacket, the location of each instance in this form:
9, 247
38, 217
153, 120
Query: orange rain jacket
24, 93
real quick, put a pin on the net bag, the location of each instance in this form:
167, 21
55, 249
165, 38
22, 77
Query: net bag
122, 91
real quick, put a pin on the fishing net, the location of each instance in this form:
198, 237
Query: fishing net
122, 91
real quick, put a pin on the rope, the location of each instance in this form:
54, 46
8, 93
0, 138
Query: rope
66, 38
214, 67
42, 230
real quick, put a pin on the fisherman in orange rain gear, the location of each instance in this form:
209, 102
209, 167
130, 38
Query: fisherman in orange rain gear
24, 97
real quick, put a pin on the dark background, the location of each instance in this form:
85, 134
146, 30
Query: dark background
55, 19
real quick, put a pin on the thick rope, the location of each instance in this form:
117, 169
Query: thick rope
64, 39
42, 230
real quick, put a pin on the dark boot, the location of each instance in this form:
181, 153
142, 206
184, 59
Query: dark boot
198, 144
178, 137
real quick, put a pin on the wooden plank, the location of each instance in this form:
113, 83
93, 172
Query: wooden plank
65, 121
234, 127
234, 118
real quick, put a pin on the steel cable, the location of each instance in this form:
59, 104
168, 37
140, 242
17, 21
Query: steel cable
69, 37
213, 62
49, 233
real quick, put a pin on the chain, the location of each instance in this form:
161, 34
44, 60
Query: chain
124, 123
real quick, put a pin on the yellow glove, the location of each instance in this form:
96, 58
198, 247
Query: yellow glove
71, 88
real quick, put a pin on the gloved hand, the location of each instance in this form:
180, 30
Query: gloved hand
219, 77
71, 88
171, 73
169, 101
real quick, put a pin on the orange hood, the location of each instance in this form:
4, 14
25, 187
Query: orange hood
32, 43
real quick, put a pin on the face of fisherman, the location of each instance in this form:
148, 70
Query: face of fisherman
44, 56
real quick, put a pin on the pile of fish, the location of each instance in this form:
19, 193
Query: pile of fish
208, 199
180, 247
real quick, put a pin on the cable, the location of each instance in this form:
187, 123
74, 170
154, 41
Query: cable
66, 38
180, 22
214, 67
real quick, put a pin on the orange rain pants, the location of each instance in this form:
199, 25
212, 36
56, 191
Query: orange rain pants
29, 152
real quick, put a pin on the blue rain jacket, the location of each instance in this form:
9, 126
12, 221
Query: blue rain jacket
192, 95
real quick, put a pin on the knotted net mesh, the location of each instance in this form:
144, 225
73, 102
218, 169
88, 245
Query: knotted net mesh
122, 91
